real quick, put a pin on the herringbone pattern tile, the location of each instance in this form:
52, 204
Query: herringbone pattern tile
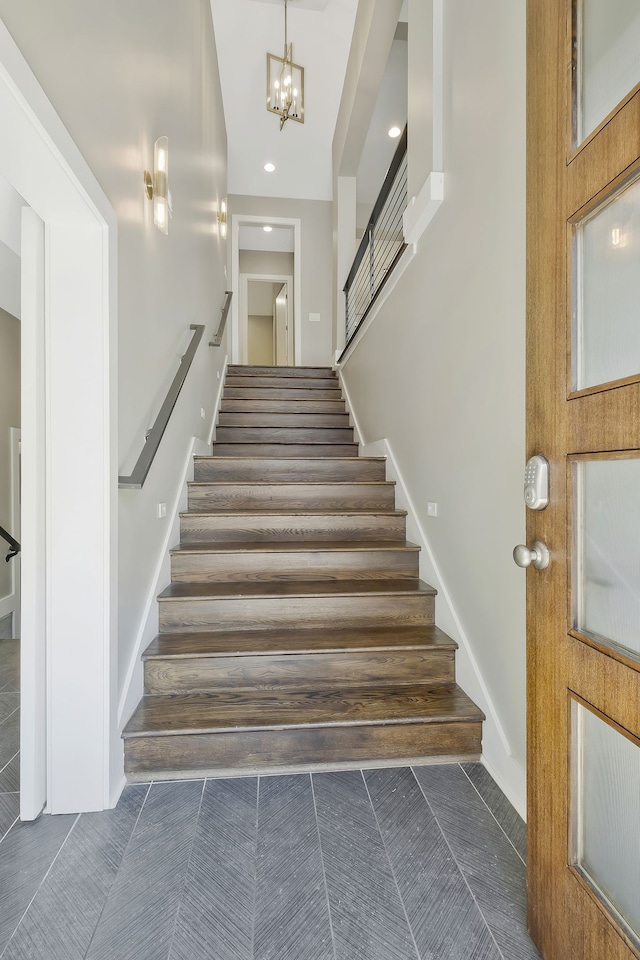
391, 864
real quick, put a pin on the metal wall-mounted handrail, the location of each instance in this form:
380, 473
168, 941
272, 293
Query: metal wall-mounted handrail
14, 546
137, 478
217, 340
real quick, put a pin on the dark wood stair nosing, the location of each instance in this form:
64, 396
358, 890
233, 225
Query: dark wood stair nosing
266, 590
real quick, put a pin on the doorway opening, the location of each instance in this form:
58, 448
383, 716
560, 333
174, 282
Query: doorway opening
266, 321
266, 251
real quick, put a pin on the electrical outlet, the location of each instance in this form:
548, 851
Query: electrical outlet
202, 413
217, 374
162, 510
432, 509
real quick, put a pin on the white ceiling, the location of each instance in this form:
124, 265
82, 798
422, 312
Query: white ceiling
246, 30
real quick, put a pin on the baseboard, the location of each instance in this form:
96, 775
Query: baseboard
132, 690
353, 420
496, 751
216, 407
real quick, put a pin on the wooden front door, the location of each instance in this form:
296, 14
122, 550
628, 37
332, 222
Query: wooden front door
583, 410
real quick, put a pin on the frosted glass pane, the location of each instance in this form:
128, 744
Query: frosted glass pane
608, 568
609, 58
608, 827
607, 292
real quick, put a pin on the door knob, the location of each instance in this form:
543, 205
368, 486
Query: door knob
537, 554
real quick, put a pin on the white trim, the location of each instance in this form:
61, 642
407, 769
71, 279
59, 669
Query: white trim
14, 465
245, 279
216, 407
423, 208
237, 220
7, 604
496, 752
78, 556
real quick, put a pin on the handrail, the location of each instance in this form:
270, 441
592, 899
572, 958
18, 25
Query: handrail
383, 196
137, 478
14, 546
217, 340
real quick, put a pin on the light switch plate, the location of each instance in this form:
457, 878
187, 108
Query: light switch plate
314, 318
432, 509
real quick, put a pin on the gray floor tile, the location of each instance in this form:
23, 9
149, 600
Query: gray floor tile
10, 776
61, 920
508, 818
8, 703
292, 917
367, 916
493, 869
9, 811
9, 666
138, 920
445, 919
26, 854
9, 738
215, 919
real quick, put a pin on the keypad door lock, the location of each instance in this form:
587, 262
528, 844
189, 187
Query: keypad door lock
536, 483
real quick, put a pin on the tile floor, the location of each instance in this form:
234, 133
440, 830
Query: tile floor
394, 864
9, 733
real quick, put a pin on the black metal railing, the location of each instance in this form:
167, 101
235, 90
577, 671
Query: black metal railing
382, 244
14, 546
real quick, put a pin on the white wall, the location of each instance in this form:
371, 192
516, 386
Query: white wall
316, 267
9, 417
440, 372
9, 280
138, 73
260, 343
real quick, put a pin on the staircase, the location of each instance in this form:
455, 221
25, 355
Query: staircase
295, 633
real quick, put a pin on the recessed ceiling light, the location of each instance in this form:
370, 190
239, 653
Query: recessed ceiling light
267, 229
395, 132
269, 167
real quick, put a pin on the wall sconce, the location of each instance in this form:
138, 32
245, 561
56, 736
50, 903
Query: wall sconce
157, 187
222, 219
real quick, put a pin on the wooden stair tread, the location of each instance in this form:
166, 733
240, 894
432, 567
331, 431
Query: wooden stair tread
281, 460
296, 512
251, 643
243, 369
223, 712
291, 483
292, 546
294, 588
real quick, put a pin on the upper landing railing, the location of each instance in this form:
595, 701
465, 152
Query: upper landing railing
382, 244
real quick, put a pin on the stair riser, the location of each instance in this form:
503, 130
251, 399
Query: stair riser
253, 613
311, 565
288, 451
204, 529
350, 669
284, 434
304, 407
280, 393
357, 496
235, 370
235, 754
282, 383
243, 470
281, 421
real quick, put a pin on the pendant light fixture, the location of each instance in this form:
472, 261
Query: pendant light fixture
285, 82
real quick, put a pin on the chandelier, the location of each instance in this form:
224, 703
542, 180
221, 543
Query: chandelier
285, 83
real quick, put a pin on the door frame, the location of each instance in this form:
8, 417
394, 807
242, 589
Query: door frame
238, 220
245, 280
69, 556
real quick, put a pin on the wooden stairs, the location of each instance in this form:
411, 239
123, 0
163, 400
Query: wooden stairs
296, 633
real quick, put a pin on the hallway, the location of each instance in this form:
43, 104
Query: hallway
389, 864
